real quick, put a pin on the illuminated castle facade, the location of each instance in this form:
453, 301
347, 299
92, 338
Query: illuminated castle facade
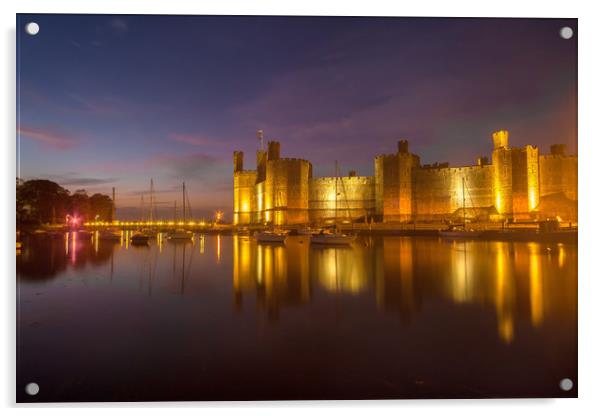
518, 183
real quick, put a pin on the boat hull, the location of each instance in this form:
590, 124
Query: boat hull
460, 234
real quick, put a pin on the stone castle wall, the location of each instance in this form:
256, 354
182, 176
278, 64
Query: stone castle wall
350, 197
558, 174
441, 191
558, 188
518, 183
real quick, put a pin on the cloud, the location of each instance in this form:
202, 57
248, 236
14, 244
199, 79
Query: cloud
73, 179
47, 137
187, 166
85, 181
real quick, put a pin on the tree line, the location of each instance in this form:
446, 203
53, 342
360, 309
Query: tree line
40, 201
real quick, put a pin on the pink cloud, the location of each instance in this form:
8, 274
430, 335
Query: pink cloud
47, 137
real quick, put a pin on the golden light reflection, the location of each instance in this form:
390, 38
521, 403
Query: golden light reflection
219, 248
503, 294
561, 256
260, 260
395, 289
341, 269
535, 285
278, 274
400, 275
202, 244
462, 275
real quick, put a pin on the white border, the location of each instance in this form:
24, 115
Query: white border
590, 94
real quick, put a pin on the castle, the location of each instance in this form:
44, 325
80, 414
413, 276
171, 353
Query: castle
518, 184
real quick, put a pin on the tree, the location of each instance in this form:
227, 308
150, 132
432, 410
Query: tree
80, 205
101, 206
41, 201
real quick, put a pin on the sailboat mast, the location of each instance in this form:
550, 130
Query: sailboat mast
183, 202
336, 191
152, 200
142, 208
463, 203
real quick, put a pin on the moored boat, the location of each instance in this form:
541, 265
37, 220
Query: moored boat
109, 235
139, 238
460, 233
271, 236
180, 235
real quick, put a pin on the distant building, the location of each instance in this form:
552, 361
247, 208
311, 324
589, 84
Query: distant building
519, 183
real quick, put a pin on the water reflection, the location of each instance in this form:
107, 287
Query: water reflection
277, 274
401, 274
512, 282
379, 315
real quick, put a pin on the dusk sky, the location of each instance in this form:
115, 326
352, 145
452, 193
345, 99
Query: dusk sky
109, 101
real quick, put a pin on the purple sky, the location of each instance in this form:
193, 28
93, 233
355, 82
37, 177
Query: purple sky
109, 101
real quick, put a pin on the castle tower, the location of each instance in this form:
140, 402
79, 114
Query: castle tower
500, 139
262, 159
501, 158
273, 150
393, 184
287, 191
244, 190
238, 161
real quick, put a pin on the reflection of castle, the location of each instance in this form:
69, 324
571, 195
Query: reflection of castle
404, 275
518, 183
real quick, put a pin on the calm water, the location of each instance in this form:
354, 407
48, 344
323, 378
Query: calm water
227, 318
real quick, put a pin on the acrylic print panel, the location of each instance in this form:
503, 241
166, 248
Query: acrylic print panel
261, 208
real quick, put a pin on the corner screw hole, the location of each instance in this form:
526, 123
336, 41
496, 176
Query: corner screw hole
566, 32
32, 28
32, 389
566, 384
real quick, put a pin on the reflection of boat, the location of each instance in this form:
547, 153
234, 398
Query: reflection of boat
332, 238
179, 234
460, 232
139, 238
271, 236
109, 235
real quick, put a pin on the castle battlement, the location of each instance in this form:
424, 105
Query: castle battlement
288, 159
333, 179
